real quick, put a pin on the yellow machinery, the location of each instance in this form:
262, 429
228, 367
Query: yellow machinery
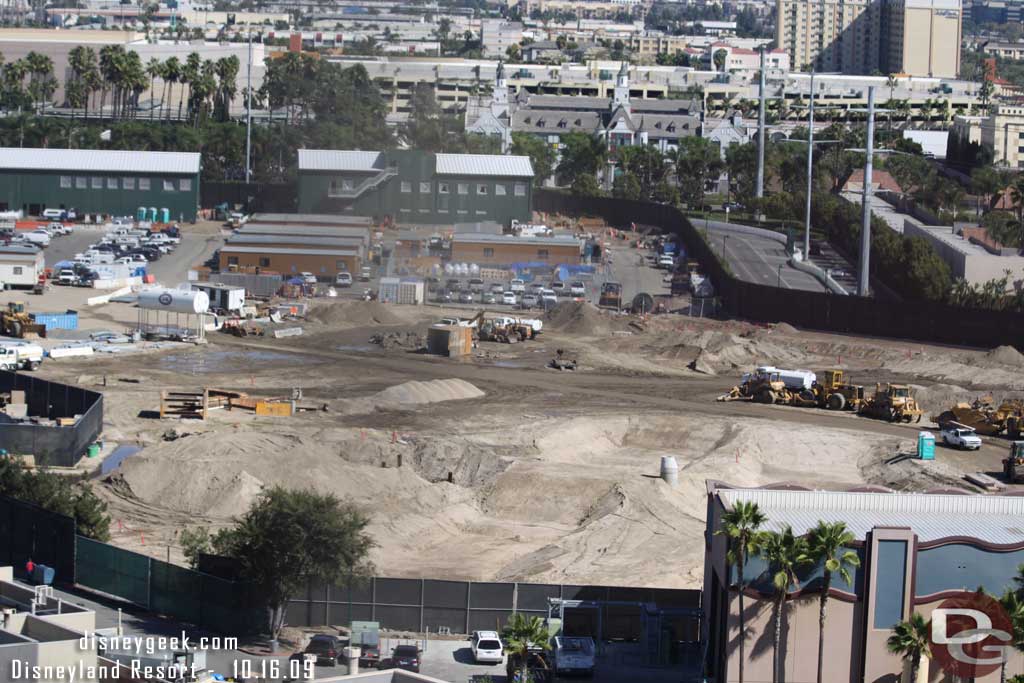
1013, 466
986, 418
892, 402
835, 394
15, 322
611, 296
761, 387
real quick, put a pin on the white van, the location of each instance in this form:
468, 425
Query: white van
54, 214
38, 237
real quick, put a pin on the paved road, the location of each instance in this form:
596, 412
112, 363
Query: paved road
759, 260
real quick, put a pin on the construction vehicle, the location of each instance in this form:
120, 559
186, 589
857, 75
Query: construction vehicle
764, 385
561, 362
16, 322
611, 296
1013, 465
832, 393
892, 402
986, 418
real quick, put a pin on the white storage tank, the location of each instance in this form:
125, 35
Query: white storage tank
174, 300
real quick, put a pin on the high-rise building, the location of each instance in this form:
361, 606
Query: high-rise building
915, 37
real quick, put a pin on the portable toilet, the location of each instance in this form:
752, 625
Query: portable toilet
140, 214
165, 215
152, 214
925, 445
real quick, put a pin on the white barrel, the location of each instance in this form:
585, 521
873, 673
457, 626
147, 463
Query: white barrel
352, 654
669, 470
448, 268
174, 300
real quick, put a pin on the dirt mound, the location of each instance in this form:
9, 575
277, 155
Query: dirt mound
428, 392
1007, 355
354, 314
576, 317
785, 328
399, 341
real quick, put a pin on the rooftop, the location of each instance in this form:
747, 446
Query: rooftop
270, 249
303, 230
993, 519
100, 161
309, 218
339, 160
484, 165
485, 238
331, 241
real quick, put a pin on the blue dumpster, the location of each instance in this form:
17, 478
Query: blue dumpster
926, 445
41, 574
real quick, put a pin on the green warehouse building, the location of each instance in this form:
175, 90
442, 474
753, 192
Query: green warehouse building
111, 182
410, 186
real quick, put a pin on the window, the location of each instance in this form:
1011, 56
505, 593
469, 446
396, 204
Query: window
18, 270
406, 186
65, 181
889, 596
442, 188
348, 184
542, 254
499, 190
264, 262
185, 184
128, 183
341, 266
168, 186
488, 252
97, 183
463, 188
424, 188
111, 183
520, 189
481, 189
232, 260
143, 183
81, 183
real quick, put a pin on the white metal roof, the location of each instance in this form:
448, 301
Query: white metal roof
994, 519
338, 160
270, 249
308, 219
488, 238
484, 165
341, 240
99, 161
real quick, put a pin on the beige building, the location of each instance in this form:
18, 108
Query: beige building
1001, 132
866, 36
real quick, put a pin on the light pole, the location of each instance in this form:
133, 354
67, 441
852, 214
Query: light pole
863, 280
248, 114
759, 189
810, 174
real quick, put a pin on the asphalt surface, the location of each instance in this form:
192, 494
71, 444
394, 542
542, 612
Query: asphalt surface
758, 259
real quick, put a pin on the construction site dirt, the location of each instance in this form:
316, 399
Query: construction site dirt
496, 467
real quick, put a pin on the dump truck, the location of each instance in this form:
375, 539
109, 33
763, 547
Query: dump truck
985, 417
16, 322
1013, 465
892, 402
611, 296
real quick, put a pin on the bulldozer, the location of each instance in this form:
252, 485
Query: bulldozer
16, 322
832, 393
761, 387
892, 402
611, 296
986, 418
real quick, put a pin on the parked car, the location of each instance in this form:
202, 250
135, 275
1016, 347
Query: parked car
54, 214
548, 297
573, 656
327, 649
443, 296
497, 288
365, 274
488, 298
559, 288
577, 288
406, 657
666, 262
963, 438
509, 298
38, 237
58, 228
535, 287
453, 284
308, 278
66, 277
487, 647
518, 286
530, 301
343, 279
476, 285
466, 298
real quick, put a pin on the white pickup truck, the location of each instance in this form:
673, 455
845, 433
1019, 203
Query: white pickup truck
20, 356
573, 655
963, 438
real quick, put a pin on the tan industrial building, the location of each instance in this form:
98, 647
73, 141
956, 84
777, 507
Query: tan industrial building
915, 550
1001, 132
323, 263
912, 37
503, 250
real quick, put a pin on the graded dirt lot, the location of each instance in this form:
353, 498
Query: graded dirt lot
497, 467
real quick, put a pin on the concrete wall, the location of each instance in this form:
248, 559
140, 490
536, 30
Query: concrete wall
33, 191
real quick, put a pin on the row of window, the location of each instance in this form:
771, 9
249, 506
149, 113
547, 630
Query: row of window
265, 263
500, 189
127, 183
542, 254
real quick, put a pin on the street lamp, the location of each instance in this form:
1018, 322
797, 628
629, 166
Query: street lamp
779, 283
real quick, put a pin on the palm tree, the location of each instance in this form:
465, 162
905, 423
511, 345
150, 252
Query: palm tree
830, 545
784, 553
522, 633
1017, 197
891, 82
740, 526
1013, 603
154, 68
189, 74
910, 639
172, 72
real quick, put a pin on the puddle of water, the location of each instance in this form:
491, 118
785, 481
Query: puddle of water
225, 361
114, 460
353, 347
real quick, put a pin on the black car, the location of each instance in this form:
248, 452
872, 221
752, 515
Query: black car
406, 657
327, 649
146, 253
443, 296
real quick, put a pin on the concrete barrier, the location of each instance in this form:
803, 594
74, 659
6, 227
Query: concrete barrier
820, 274
721, 226
288, 332
71, 351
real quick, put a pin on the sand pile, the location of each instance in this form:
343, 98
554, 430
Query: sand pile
712, 351
785, 328
575, 317
1007, 355
427, 392
354, 314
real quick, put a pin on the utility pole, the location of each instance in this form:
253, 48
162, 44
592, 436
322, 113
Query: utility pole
810, 174
760, 134
248, 113
863, 281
